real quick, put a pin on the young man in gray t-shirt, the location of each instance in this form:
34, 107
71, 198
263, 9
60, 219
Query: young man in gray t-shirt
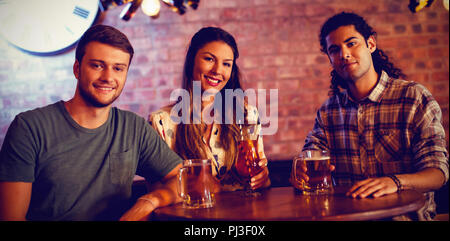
76, 160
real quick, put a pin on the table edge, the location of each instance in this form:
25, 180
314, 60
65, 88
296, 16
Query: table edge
368, 215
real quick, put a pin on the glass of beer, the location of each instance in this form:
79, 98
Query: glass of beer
247, 164
312, 172
196, 184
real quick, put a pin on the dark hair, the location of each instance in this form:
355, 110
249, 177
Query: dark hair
198, 41
188, 141
103, 34
379, 58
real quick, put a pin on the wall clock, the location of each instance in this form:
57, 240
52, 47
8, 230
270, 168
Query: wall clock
45, 27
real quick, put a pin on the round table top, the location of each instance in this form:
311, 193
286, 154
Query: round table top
286, 203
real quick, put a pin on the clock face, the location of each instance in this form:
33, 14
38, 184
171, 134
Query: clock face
45, 26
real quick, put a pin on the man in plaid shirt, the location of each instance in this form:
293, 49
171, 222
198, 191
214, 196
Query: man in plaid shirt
384, 134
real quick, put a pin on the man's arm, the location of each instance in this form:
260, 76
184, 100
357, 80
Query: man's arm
430, 153
14, 200
425, 180
164, 195
316, 138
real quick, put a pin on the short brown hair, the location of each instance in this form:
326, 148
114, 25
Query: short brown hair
103, 34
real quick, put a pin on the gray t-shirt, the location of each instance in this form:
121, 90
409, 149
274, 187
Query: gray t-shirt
79, 173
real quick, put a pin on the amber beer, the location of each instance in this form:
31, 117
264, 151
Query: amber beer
196, 184
248, 160
314, 166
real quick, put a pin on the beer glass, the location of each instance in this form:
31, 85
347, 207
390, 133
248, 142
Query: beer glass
196, 184
247, 164
312, 172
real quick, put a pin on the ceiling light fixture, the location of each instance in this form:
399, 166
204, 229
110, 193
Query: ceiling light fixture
149, 7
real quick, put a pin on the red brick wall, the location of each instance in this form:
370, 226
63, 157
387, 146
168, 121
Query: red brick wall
279, 50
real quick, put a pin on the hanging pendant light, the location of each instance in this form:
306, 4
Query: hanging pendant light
151, 8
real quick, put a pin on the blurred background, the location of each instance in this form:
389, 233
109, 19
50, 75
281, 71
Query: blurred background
278, 43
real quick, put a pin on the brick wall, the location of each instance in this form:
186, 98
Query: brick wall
279, 50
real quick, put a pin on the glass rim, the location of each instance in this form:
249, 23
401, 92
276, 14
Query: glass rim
196, 161
308, 153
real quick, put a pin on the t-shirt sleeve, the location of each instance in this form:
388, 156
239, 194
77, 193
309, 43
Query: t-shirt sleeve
18, 153
156, 158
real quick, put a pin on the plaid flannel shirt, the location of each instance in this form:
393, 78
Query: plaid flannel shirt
396, 129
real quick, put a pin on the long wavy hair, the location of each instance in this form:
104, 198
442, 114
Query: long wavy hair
189, 137
379, 58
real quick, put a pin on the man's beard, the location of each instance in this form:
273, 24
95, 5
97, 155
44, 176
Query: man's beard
90, 99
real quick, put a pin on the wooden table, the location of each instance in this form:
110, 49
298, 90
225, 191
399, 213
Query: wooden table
285, 203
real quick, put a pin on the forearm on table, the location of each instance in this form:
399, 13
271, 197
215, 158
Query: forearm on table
163, 195
426, 180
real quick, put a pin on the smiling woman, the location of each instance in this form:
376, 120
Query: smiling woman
211, 61
213, 65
